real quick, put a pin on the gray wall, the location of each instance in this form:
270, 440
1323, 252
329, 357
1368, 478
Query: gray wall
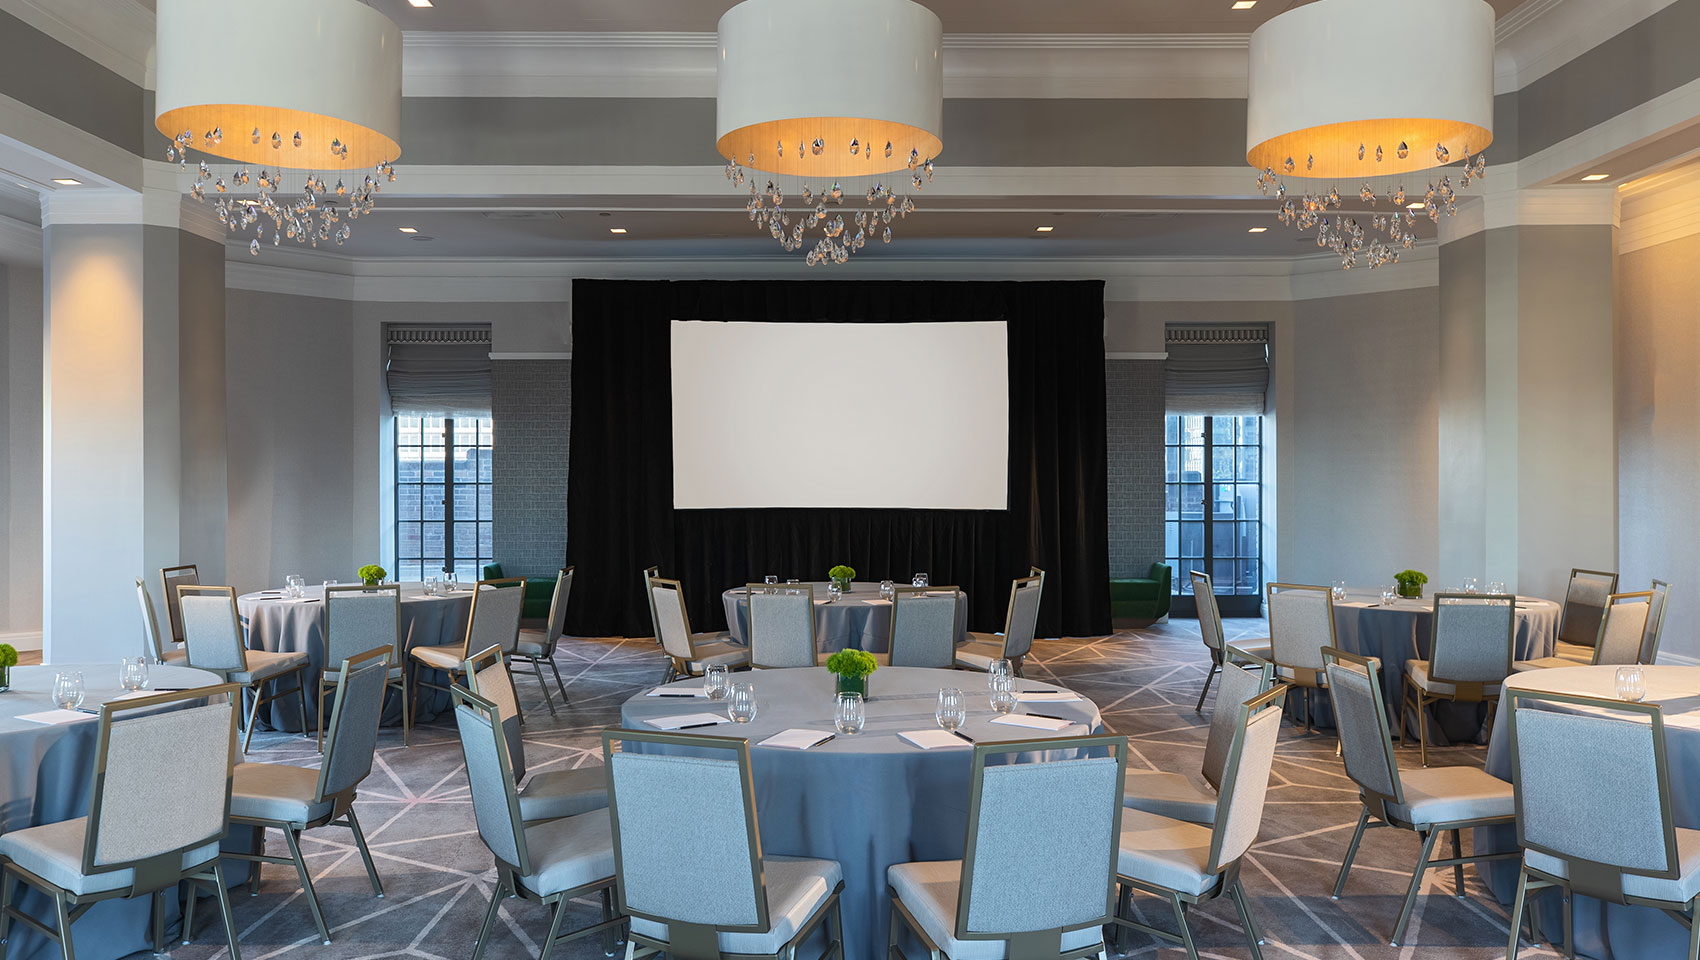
531, 404
1135, 453
20, 446
204, 514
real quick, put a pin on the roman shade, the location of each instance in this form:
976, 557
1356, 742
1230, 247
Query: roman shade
1216, 371
438, 370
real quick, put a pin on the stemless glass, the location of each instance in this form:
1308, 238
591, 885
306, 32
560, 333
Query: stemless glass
68, 690
741, 708
295, 585
1339, 590
431, 585
887, 589
999, 670
451, 581
834, 591
1389, 594
1496, 587
717, 682
1003, 696
849, 714
131, 673
1471, 585
1631, 683
952, 711
142, 681
920, 580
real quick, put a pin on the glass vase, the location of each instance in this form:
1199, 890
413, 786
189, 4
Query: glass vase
848, 684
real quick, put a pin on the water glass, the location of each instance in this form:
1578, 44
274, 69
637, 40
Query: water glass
999, 670
133, 674
834, 591
952, 710
718, 682
741, 708
431, 586
849, 714
770, 579
920, 580
887, 589
1631, 683
1003, 696
1339, 590
1496, 587
68, 690
451, 581
1389, 594
294, 585
1471, 585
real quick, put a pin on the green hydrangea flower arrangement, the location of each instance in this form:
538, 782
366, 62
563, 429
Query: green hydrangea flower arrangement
8, 660
371, 574
842, 575
1411, 582
852, 668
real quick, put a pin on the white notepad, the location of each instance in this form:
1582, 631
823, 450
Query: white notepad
132, 695
678, 692
880, 602
1047, 696
687, 720
797, 738
933, 739
55, 717
1032, 722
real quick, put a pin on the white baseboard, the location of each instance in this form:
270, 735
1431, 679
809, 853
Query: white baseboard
23, 641
1678, 660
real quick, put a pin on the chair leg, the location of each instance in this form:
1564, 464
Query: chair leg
548, 698
412, 701
496, 897
62, 908
253, 711
609, 935
1693, 931
225, 911
1569, 923
159, 921
555, 668
558, 913
1211, 675
1351, 852
406, 714
1518, 903
192, 896
1422, 730
365, 853
254, 867
835, 920
6, 882
1404, 708
321, 711
306, 883
301, 697
1416, 885
1179, 906
1307, 712
1237, 892
1458, 868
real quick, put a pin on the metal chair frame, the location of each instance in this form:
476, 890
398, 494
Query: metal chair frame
806, 589
1415, 698
257, 688
414, 664
1307, 679
399, 683
555, 630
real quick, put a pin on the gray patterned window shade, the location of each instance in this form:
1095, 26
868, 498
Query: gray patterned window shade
439, 371
1217, 371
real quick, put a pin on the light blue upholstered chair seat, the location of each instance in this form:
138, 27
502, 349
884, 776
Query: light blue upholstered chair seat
979, 652
796, 888
441, 658
54, 852
1685, 887
276, 791
712, 652
930, 890
1192, 796
569, 853
1166, 852
1417, 671
563, 793
1174, 795
1574, 652
265, 664
1451, 794
532, 643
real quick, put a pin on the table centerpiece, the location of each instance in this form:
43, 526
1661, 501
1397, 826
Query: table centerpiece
851, 668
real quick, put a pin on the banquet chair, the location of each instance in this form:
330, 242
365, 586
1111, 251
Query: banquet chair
1002, 901
1594, 811
1020, 625
1472, 639
550, 795
496, 606
1430, 801
1585, 601
170, 578
1622, 631
1189, 863
1655, 622
782, 625
688, 654
123, 848
150, 630
537, 647
359, 618
717, 896
212, 633
549, 863
291, 799
1182, 796
923, 627
1210, 626
1301, 626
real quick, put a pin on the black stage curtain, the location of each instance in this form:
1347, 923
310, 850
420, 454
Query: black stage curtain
620, 497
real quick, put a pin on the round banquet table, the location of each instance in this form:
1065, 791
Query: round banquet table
869, 800
46, 776
861, 619
1606, 930
296, 626
1403, 631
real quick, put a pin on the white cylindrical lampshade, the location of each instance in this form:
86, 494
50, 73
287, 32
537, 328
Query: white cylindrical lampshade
1334, 75
792, 71
327, 69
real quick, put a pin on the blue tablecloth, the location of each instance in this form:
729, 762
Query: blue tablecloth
859, 620
870, 800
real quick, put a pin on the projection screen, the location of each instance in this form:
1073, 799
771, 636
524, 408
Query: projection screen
892, 415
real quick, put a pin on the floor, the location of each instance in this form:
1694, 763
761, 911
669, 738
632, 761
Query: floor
437, 874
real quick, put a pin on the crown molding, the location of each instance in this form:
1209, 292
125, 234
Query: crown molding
1541, 36
92, 205
117, 34
1570, 205
1659, 210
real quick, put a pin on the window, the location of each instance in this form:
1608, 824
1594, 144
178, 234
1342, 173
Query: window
1214, 460
443, 496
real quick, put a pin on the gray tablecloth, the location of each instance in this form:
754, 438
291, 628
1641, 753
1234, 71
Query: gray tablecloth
859, 620
1605, 930
299, 626
47, 775
1403, 632
871, 800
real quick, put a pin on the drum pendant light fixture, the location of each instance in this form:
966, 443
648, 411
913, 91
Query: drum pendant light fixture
851, 138
1364, 132
324, 93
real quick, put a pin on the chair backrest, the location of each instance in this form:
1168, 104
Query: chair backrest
1301, 624
354, 721
496, 607
212, 629
715, 881
150, 758
1655, 622
782, 625
169, 579
672, 623
1071, 809
649, 574
923, 627
1592, 784
1585, 605
1209, 617
557, 627
1244, 677
1021, 624
488, 676
1472, 640
359, 618
495, 801
1239, 809
153, 644
1360, 716
1623, 628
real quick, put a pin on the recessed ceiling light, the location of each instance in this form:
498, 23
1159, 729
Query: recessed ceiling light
1419, 205
1244, 4
1045, 229
1595, 177
1258, 230
420, 3
616, 229
409, 229
67, 182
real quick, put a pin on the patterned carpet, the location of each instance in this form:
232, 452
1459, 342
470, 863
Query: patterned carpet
438, 875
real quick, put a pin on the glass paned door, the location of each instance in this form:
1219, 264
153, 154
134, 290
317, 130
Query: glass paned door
1212, 497
443, 496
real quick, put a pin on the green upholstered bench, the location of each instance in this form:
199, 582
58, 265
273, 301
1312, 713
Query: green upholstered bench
1142, 598
539, 591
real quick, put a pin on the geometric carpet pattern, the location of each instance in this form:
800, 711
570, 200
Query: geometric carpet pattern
437, 874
